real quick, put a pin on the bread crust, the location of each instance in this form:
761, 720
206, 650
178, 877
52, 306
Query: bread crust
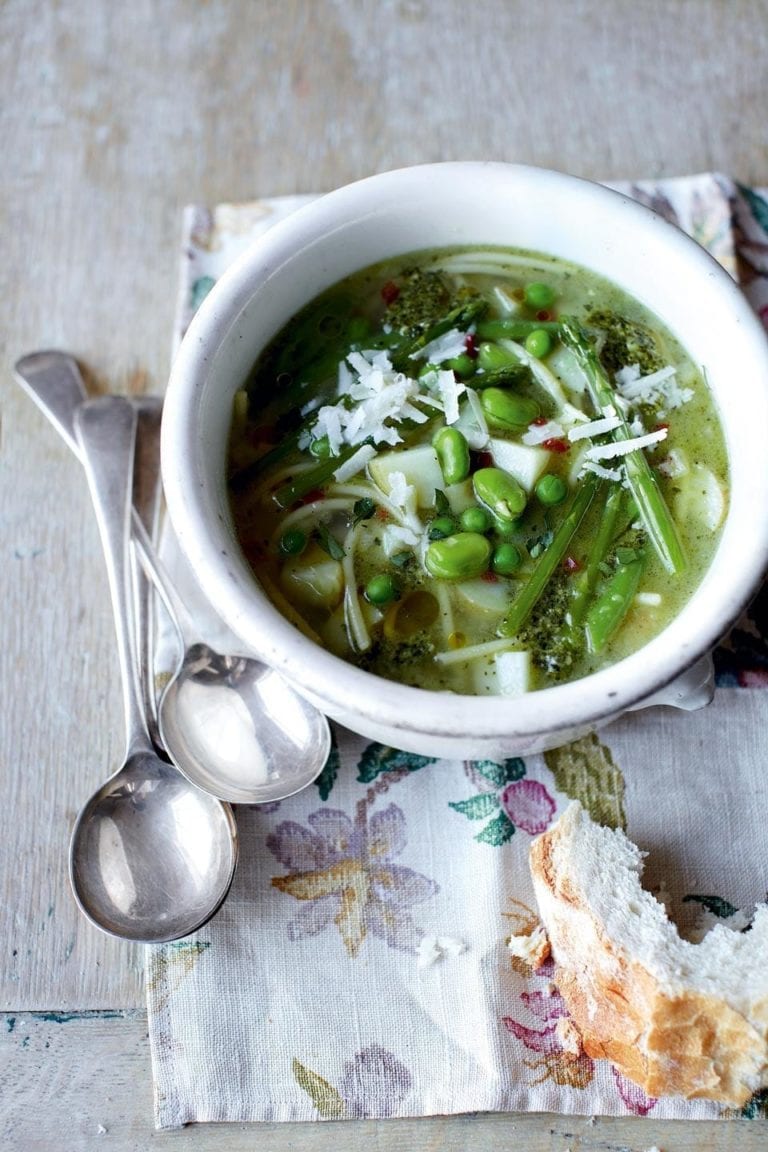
686, 1044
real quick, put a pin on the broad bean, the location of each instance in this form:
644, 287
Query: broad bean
461, 557
508, 409
500, 493
453, 454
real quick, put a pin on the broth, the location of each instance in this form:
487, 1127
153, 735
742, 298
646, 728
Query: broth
477, 471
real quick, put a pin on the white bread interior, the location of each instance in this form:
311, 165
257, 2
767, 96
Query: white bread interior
677, 1018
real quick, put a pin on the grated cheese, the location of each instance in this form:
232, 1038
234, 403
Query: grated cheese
446, 347
598, 470
355, 463
661, 385
624, 447
538, 433
648, 599
593, 428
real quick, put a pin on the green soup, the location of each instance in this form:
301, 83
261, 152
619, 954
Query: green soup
483, 472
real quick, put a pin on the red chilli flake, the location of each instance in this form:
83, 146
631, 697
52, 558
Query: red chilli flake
659, 427
390, 292
539, 420
484, 460
311, 496
470, 345
489, 577
381, 513
543, 314
571, 564
555, 444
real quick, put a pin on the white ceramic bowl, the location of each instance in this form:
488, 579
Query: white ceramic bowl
436, 206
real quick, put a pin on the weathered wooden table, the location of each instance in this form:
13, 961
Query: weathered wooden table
113, 117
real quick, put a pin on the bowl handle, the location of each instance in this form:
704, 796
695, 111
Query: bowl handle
692, 689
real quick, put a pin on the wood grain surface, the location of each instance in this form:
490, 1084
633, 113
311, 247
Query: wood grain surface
113, 117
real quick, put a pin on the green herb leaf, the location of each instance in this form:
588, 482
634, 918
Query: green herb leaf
329, 543
442, 507
363, 509
402, 559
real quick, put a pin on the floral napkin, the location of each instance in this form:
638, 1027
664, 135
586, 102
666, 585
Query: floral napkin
360, 967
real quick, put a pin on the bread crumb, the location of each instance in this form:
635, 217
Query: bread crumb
568, 1035
101, 1130
434, 948
533, 947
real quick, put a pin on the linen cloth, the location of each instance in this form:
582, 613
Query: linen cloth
360, 966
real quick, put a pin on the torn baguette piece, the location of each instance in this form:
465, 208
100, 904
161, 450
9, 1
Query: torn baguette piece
679, 1019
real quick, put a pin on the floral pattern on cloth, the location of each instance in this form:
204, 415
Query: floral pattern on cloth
308, 996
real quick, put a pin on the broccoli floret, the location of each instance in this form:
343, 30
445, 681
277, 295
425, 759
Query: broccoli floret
423, 299
554, 645
623, 342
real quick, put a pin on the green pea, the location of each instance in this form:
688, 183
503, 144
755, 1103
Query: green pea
475, 520
508, 409
539, 295
321, 448
462, 365
427, 369
461, 557
506, 559
551, 489
538, 343
491, 356
293, 542
500, 493
357, 329
453, 453
381, 589
441, 527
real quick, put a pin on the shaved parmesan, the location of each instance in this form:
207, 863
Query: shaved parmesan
624, 447
538, 433
395, 538
355, 463
652, 388
598, 470
446, 347
593, 428
472, 423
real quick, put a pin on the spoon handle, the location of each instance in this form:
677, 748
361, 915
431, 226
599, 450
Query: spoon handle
54, 381
106, 433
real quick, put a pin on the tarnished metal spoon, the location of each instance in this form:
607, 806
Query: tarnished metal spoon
231, 724
151, 857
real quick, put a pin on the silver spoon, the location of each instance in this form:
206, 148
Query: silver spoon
231, 724
151, 858
54, 381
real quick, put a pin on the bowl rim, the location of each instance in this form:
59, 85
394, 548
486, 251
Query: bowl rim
329, 678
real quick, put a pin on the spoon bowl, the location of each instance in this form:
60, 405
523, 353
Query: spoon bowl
231, 724
151, 858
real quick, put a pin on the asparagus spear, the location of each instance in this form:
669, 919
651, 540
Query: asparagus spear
642, 482
586, 581
613, 603
526, 600
296, 489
